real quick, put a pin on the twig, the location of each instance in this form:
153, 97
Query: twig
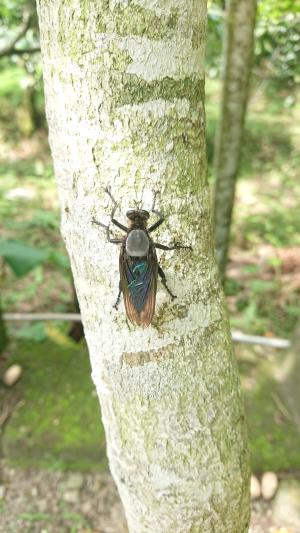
35, 317
19, 52
274, 342
281, 407
237, 336
10, 48
8, 409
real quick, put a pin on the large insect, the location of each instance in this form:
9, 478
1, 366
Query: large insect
138, 263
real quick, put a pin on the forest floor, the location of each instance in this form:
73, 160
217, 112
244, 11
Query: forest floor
39, 501
54, 473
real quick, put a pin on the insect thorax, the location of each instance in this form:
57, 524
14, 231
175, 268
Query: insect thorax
137, 243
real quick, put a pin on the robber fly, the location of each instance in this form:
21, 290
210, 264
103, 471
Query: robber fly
138, 263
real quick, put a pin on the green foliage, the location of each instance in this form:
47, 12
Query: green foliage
276, 9
20, 257
12, 16
29, 215
214, 39
277, 46
32, 331
35, 517
277, 40
280, 228
10, 83
11, 11
23, 258
43, 219
25, 102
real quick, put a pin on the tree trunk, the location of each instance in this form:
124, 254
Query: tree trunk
124, 85
3, 334
237, 63
288, 373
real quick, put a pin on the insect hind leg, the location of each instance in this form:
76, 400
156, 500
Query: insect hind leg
164, 282
116, 304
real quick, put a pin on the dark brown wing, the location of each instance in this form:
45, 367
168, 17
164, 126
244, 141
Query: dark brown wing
138, 284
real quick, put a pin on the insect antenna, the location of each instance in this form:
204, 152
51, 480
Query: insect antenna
137, 204
115, 204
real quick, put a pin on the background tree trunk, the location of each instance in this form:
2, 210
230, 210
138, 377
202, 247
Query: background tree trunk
3, 334
288, 374
237, 63
124, 85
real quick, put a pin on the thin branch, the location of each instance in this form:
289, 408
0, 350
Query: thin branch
8, 410
33, 317
19, 52
237, 336
273, 342
282, 407
10, 48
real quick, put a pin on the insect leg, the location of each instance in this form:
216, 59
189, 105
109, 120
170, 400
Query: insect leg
158, 223
177, 246
119, 225
119, 297
155, 195
113, 241
164, 282
153, 210
115, 205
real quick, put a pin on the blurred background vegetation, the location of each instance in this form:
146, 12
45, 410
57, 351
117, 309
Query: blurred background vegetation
54, 399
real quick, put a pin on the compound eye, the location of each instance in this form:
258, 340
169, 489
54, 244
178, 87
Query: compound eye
130, 212
144, 213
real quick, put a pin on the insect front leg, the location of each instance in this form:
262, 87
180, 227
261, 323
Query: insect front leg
153, 210
115, 205
119, 225
164, 282
109, 239
158, 223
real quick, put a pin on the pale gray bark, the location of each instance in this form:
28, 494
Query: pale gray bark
237, 63
124, 88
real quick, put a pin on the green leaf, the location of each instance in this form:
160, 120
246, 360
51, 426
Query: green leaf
20, 257
60, 260
34, 517
34, 332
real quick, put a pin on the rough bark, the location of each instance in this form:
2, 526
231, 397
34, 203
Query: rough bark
237, 63
124, 86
